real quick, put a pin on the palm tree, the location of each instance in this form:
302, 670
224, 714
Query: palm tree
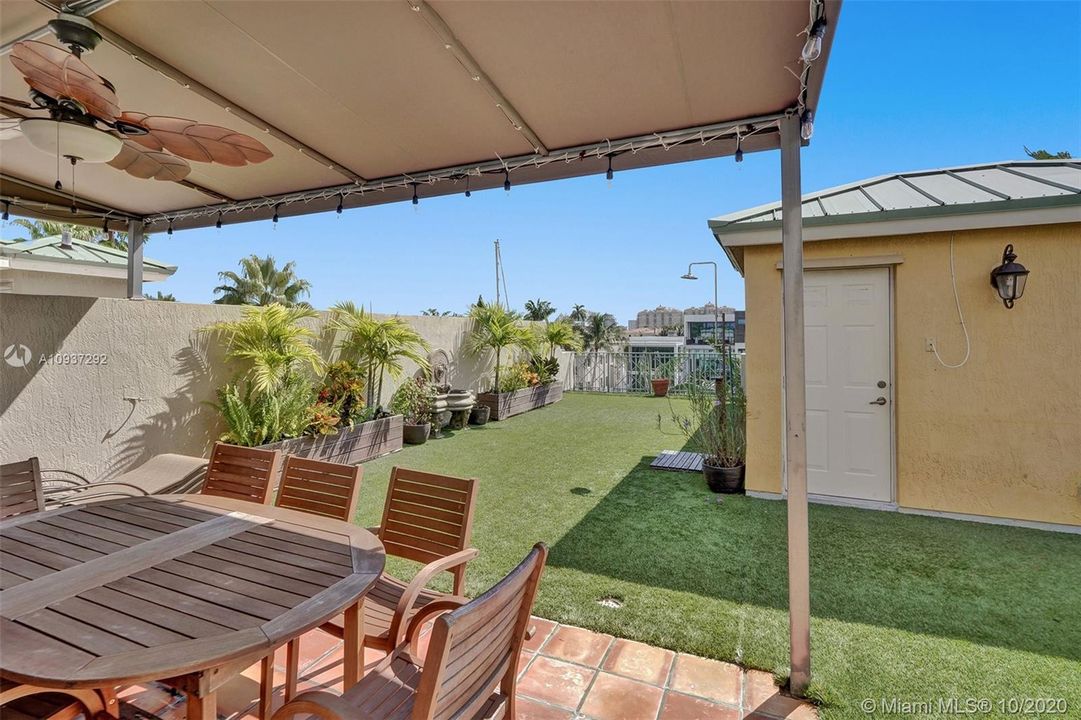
377, 346
579, 313
538, 310
273, 345
560, 335
260, 282
600, 332
497, 328
167, 297
432, 312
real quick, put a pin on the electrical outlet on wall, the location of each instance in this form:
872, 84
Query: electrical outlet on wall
929, 345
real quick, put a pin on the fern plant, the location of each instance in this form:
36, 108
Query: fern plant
255, 418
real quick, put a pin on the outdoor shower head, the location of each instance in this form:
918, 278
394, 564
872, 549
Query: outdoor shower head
689, 276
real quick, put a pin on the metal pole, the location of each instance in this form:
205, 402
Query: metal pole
135, 259
795, 409
497, 272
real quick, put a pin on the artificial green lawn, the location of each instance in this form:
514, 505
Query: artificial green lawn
903, 606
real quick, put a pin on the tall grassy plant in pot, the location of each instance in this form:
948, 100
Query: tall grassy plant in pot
377, 347
717, 427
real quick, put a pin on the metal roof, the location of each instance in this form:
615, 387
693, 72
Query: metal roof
369, 102
988, 187
79, 253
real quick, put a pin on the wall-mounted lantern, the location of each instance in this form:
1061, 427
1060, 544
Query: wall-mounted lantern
1009, 277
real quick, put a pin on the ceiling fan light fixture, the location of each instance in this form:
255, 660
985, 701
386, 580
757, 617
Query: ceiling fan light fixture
71, 140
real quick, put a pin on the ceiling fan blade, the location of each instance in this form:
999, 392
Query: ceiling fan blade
136, 160
57, 73
15, 103
198, 142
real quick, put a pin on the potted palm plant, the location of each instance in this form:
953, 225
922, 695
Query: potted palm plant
716, 424
415, 402
497, 330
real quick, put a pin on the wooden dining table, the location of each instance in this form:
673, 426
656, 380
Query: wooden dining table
188, 589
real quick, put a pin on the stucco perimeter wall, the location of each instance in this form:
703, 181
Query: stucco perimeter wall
151, 395
1000, 436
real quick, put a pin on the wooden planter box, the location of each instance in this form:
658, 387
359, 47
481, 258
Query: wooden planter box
509, 404
350, 446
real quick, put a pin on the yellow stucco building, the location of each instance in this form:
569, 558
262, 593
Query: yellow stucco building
925, 393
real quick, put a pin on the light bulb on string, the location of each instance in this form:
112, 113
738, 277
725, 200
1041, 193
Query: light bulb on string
7, 209
812, 49
609, 175
169, 231
275, 218
467, 192
416, 200
739, 149
218, 223
506, 180
341, 199
807, 124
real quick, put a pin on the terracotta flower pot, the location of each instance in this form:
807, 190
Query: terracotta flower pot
660, 387
724, 479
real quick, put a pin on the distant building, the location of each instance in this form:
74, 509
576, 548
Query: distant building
702, 326
53, 266
660, 317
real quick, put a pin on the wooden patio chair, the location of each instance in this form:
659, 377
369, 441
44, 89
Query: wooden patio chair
28, 702
20, 488
470, 670
242, 473
320, 488
427, 518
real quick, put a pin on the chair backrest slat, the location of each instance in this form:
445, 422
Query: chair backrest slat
241, 473
320, 488
474, 651
20, 488
427, 516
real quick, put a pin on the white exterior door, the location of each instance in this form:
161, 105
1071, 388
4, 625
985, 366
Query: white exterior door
849, 437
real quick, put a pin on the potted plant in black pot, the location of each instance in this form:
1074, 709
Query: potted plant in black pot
415, 402
715, 423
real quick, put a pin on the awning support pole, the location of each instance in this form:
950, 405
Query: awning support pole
795, 409
135, 259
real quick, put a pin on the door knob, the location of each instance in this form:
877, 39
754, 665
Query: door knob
879, 401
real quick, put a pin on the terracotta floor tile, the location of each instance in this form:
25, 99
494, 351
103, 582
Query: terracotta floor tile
709, 679
577, 645
327, 673
555, 682
678, 706
639, 661
763, 696
313, 646
544, 630
532, 710
617, 698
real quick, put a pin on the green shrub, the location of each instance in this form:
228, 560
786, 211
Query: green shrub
415, 399
256, 418
343, 392
517, 376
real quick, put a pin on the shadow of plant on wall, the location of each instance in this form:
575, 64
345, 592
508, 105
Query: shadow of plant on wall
991, 585
187, 424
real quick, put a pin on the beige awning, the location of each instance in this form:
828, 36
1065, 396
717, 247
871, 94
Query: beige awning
363, 101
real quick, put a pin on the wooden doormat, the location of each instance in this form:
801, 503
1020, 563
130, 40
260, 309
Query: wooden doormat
678, 460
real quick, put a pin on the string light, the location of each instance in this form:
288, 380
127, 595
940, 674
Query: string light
506, 180
807, 124
416, 200
813, 47
341, 199
739, 148
218, 223
170, 230
467, 193
609, 175
275, 218
7, 207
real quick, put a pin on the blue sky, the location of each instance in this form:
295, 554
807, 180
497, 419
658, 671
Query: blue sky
910, 86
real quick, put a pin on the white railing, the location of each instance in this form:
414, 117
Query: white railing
631, 372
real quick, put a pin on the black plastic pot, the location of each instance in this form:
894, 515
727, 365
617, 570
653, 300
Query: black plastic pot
416, 434
479, 414
724, 479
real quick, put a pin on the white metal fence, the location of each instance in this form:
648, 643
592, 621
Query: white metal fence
631, 372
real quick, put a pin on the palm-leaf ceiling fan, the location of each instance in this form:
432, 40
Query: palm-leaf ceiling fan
86, 124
